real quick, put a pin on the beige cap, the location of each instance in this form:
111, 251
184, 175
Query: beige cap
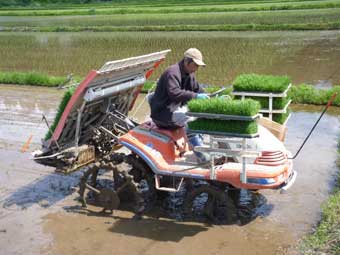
195, 55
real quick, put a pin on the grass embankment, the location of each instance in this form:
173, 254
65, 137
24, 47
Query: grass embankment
185, 7
241, 27
326, 237
211, 16
194, 20
31, 78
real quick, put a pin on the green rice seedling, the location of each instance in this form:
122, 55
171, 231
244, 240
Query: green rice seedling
246, 107
148, 86
239, 127
261, 83
64, 101
308, 94
30, 78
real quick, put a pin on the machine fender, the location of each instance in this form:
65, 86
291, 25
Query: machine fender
141, 154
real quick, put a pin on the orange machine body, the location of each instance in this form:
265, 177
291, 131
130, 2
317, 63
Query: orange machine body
165, 152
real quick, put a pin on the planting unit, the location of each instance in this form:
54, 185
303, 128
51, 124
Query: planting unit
94, 124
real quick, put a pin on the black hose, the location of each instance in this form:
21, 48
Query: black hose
316, 123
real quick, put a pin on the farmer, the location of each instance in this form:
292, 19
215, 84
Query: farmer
175, 88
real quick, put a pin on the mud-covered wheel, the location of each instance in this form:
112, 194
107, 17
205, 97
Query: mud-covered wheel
234, 194
109, 199
144, 179
210, 203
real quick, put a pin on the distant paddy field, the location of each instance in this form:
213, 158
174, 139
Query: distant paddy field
181, 16
306, 56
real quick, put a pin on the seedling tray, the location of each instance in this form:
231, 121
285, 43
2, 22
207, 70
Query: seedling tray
202, 115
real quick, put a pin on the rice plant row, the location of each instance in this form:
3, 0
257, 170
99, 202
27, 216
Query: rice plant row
238, 19
308, 94
30, 78
246, 107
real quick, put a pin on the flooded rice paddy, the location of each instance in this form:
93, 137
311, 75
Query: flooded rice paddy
39, 208
307, 57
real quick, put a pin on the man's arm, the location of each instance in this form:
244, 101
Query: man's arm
176, 94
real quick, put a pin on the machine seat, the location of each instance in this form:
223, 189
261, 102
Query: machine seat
174, 134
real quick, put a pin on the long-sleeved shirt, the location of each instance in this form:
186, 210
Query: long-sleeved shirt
174, 89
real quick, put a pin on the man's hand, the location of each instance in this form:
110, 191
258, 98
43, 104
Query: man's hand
202, 96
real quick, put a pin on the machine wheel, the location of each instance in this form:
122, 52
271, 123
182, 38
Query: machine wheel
130, 183
144, 178
211, 203
108, 190
109, 199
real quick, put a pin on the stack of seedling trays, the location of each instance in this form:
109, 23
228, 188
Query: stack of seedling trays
223, 117
270, 91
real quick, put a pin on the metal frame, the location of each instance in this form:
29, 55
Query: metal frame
270, 96
213, 151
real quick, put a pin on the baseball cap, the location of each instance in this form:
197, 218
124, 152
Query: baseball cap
195, 55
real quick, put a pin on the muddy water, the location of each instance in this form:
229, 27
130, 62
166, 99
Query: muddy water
274, 224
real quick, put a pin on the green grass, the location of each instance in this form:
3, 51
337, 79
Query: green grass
30, 78
66, 98
246, 107
326, 238
239, 127
261, 83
